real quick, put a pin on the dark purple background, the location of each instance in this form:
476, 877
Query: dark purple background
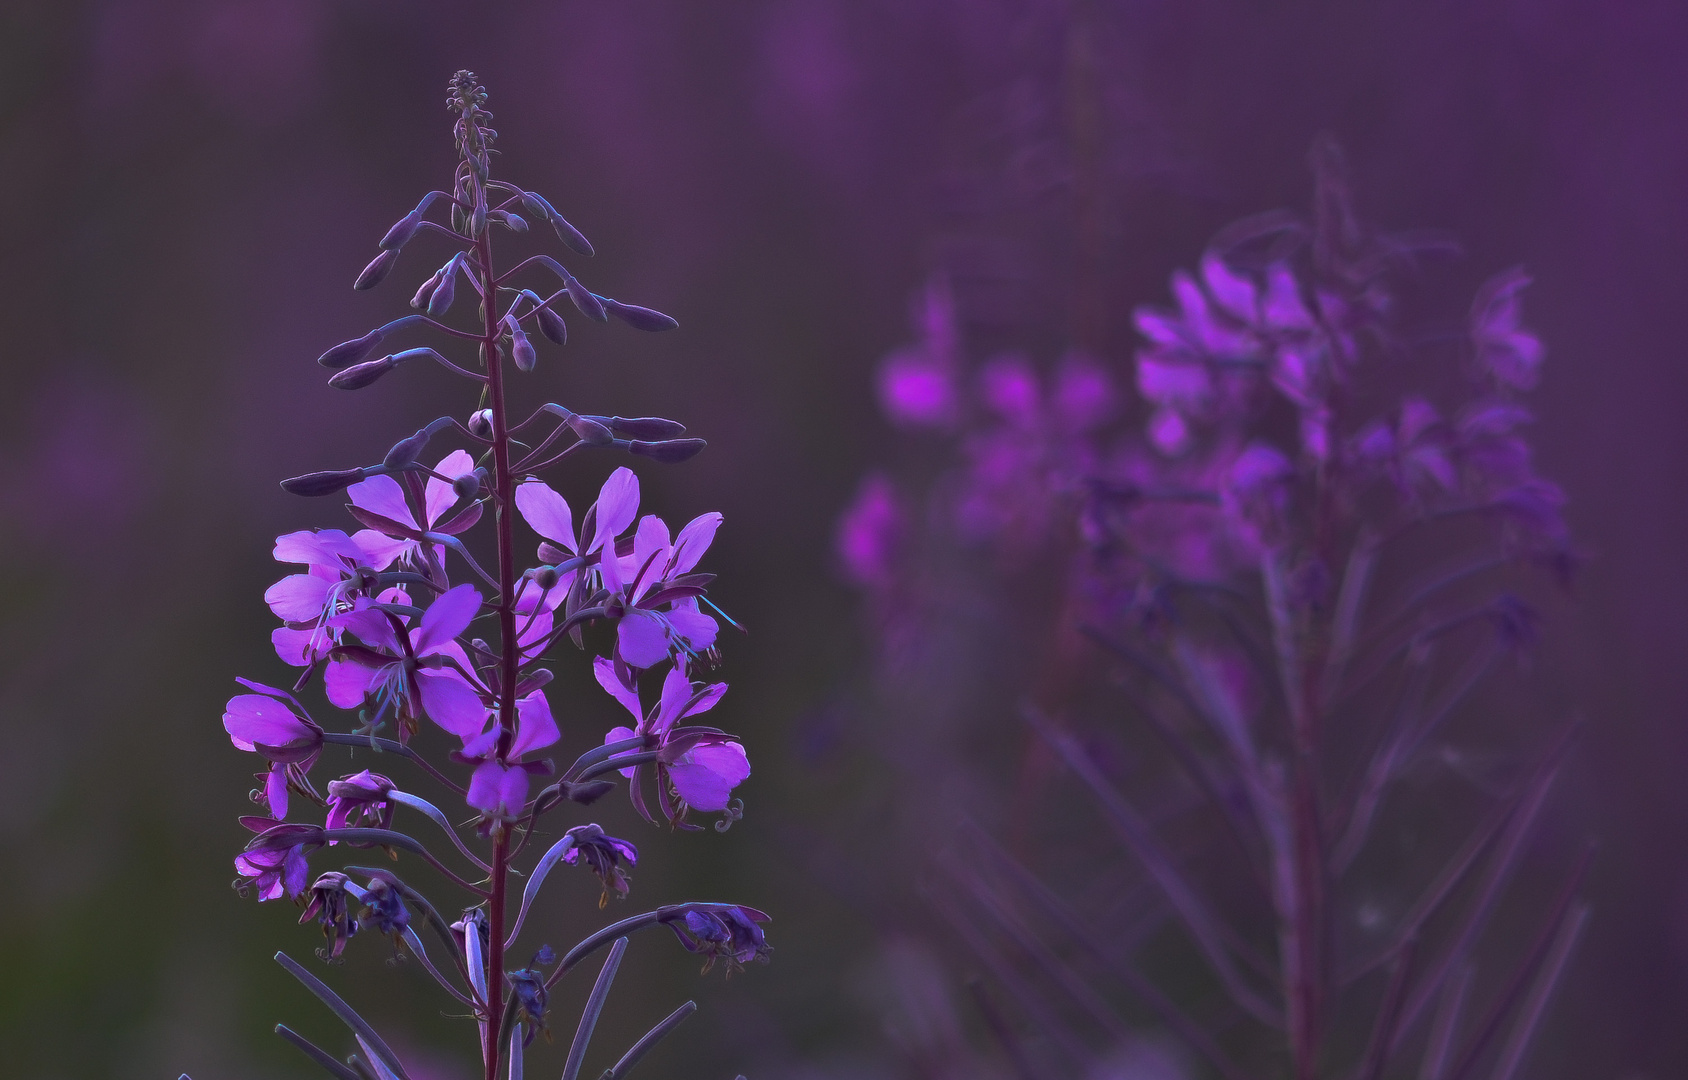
190, 188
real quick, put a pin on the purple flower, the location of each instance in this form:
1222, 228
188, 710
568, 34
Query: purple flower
548, 514
498, 787
917, 383
337, 568
1255, 493
1505, 350
721, 932
330, 905
273, 723
867, 533
274, 860
360, 800
384, 505
702, 768
383, 907
660, 616
604, 855
408, 668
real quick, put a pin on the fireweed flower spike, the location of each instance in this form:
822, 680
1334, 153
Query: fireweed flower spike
374, 617
1279, 583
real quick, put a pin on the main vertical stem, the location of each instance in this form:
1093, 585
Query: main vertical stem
503, 485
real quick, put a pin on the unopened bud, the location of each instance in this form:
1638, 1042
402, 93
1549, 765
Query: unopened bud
515, 222
361, 375
570, 235
667, 451
466, 486
322, 483
648, 428
402, 231
584, 299
536, 205
439, 301
481, 423
545, 577
376, 270
551, 553
420, 300
591, 432
521, 349
406, 451
477, 220
553, 327
639, 318
348, 353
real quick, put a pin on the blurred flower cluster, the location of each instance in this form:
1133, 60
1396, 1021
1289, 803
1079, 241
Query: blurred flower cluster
1168, 647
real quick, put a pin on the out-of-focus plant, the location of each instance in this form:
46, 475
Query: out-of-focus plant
1253, 616
376, 615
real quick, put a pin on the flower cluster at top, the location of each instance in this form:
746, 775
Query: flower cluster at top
402, 624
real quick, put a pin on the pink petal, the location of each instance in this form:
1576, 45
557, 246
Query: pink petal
704, 776
437, 496
323, 547
676, 691
497, 790
707, 699
651, 549
373, 627
275, 791
698, 629
481, 746
604, 668
345, 682
291, 645
254, 718
547, 513
641, 639
382, 495
447, 617
693, 541
535, 728
618, 502
532, 636
451, 703
617, 734
379, 550
298, 597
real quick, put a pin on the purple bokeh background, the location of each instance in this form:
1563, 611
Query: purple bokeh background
190, 188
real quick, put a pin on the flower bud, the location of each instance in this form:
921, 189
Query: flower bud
588, 302
466, 486
639, 318
545, 577
552, 326
477, 220
420, 300
406, 451
648, 428
322, 483
521, 349
551, 553
439, 301
350, 352
402, 231
376, 270
514, 222
591, 432
481, 423
361, 375
667, 451
570, 235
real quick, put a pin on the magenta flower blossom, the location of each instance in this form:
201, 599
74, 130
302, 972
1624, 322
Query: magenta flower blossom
407, 669
274, 860
867, 533
660, 616
360, 801
917, 385
603, 854
272, 723
384, 505
336, 571
498, 788
721, 932
330, 905
701, 770
547, 513
1505, 349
